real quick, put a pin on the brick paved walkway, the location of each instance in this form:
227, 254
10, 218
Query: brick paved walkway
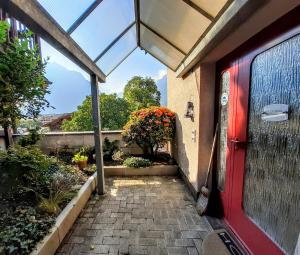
138, 215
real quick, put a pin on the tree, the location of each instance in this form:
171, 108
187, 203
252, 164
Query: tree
141, 93
22, 82
114, 114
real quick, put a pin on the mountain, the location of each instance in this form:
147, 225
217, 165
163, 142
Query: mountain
162, 87
68, 89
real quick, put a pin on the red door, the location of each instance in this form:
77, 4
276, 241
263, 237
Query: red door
248, 85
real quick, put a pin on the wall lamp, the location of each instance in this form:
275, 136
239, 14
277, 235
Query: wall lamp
189, 111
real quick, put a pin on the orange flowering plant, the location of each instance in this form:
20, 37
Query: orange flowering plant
150, 128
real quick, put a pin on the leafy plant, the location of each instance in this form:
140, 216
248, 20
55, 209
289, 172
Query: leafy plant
23, 86
4, 26
79, 158
120, 156
22, 229
51, 204
150, 128
24, 166
136, 162
109, 148
63, 180
88, 151
90, 169
31, 139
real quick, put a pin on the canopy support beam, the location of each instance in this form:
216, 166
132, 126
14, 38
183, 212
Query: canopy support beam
137, 21
88, 11
34, 16
122, 60
198, 9
97, 134
152, 54
163, 38
114, 41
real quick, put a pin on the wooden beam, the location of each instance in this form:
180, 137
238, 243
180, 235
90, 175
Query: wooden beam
84, 15
137, 21
113, 42
97, 134
35, 17
163, 38
199, 9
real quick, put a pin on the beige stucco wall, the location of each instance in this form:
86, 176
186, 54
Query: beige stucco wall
192, 151
185, 149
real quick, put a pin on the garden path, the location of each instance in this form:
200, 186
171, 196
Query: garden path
138, 215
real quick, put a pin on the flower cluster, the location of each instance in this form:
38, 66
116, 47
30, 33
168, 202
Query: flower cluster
150, 128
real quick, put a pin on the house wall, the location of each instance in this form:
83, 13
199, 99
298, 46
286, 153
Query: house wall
192, 144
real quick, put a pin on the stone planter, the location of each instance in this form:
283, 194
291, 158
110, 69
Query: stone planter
160, 170
65, 220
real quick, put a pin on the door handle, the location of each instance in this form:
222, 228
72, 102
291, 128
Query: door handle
238, 144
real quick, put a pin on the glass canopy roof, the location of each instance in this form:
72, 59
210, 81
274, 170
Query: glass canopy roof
110, 30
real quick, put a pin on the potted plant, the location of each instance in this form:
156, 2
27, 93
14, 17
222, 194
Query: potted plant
80, 160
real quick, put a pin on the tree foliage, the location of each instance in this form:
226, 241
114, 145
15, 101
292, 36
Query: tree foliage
150, 128
114, 114
141, 93
22, 83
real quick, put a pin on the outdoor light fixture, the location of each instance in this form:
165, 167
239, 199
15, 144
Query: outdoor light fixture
189, 111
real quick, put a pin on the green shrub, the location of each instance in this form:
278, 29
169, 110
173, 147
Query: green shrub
31, 139
24, 166
136, 162
63, 181
150, 128
64, 154
109, 148
90, 170
120, 156
22, 229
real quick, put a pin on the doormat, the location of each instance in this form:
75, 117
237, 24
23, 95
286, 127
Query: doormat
219, 242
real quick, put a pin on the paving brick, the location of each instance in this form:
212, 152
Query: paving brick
184, 242
111, 240
147, 242
76, 239
151, 234
191, 234
177, 251
101, 248
192, 251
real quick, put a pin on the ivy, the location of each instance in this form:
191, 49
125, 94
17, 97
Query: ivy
21, 229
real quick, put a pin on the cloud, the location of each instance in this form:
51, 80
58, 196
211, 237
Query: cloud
161, 74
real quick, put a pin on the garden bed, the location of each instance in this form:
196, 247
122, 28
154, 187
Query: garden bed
160, 170
35, 189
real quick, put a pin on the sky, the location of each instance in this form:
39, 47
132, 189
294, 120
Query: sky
95, 33
138, 63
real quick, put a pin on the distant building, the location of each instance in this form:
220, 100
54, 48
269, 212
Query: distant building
54, 121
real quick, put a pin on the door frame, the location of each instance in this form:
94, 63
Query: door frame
240, 60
